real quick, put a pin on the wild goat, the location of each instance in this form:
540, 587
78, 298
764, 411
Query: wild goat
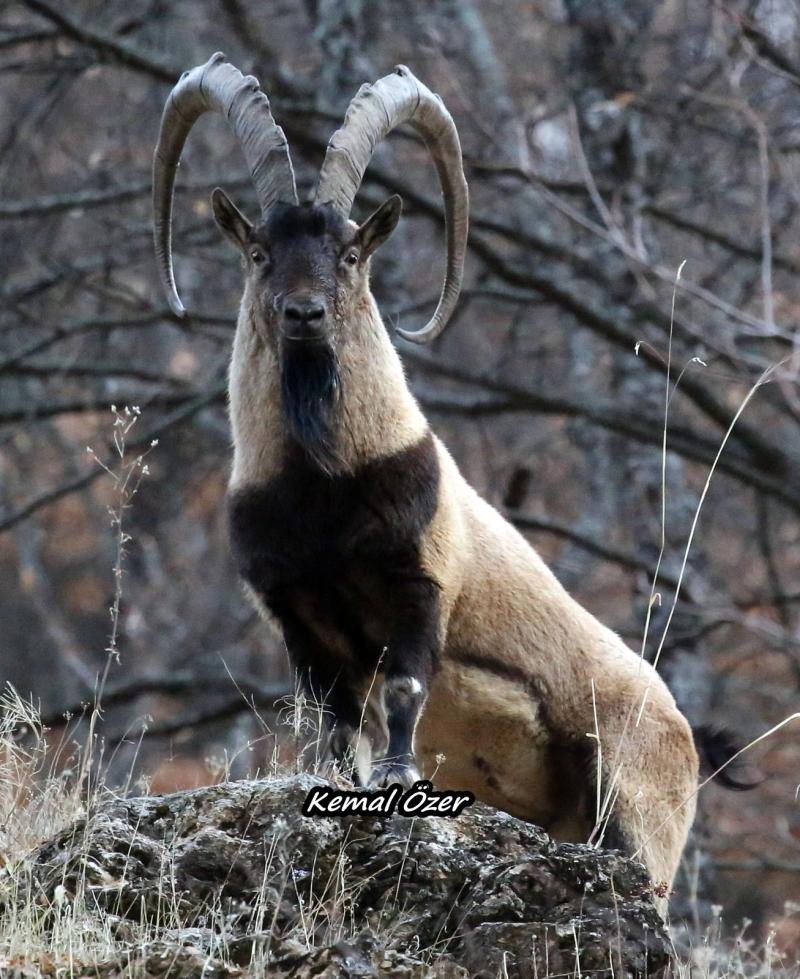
426, 624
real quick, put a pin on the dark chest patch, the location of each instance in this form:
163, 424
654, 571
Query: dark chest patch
326, 550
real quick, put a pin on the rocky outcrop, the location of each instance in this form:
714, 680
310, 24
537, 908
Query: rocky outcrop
235, 881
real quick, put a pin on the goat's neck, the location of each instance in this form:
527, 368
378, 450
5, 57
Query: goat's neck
377, 416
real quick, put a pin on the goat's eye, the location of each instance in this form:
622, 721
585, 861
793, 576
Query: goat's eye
257, 256
351, 259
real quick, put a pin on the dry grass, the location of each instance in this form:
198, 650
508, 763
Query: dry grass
713, 954
64, 937
45, 788
38, 799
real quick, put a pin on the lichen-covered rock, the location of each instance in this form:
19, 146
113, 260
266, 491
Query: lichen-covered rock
237, 882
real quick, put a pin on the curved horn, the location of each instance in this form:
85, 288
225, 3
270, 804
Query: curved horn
374, 112
216, 86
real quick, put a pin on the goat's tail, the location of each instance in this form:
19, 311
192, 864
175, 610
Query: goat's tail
716, 748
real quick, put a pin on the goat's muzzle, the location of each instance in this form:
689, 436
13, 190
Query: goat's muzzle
303, 318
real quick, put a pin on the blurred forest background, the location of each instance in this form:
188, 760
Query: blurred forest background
606, 142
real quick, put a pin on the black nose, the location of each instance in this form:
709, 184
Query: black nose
301, 312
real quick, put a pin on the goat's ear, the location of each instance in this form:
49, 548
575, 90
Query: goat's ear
230, 220
378, 226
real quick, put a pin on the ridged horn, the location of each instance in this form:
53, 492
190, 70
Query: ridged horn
374, 112
219, 87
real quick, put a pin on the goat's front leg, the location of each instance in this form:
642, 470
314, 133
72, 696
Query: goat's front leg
409, 663
332, 692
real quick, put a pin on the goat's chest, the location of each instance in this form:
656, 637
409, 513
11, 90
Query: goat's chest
322, 552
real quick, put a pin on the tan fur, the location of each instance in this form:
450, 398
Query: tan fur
526, 675
380, 415
492, 740
504, 602
505, 740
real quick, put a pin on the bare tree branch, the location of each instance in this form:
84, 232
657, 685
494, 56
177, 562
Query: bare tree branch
250, 689
175, 418
108, 47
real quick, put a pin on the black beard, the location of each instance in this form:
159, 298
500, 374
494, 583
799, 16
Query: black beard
310, 392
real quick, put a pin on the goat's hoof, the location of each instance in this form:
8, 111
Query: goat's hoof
386, 773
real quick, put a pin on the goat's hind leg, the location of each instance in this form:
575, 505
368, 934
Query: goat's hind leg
648, 793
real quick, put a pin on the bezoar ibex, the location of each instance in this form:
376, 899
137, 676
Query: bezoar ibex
434, 634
